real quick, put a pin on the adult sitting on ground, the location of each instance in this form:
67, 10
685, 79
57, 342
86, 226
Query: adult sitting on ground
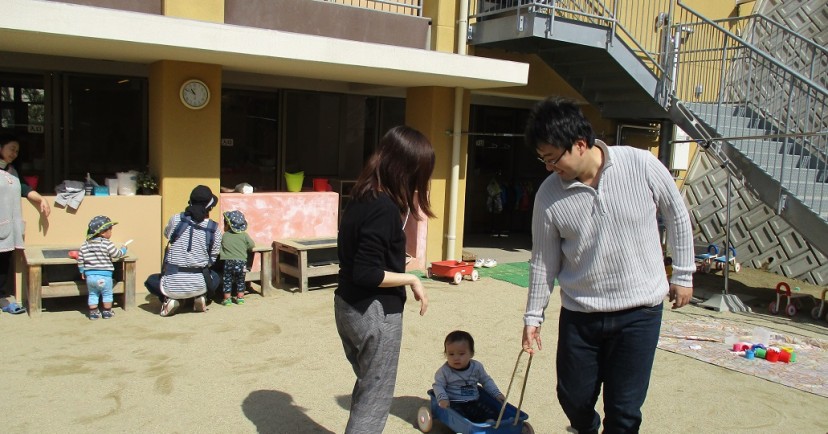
194, 245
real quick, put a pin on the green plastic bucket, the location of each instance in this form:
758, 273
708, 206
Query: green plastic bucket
294, 181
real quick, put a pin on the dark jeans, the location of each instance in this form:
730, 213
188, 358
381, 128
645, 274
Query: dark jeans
613, 349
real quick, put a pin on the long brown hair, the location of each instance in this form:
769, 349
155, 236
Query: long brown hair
401, 166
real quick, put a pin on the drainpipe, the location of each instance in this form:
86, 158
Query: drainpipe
457, 128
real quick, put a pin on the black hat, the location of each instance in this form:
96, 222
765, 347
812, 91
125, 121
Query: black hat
98, 225
203, 196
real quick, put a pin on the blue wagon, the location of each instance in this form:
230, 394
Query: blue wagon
459, 424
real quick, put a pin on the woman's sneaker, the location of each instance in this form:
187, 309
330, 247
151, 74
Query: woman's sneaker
200, 304
169, 306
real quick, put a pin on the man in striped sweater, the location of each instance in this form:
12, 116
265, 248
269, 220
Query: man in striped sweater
594, 229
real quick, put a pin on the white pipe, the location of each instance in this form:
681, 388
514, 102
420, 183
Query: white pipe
457, 128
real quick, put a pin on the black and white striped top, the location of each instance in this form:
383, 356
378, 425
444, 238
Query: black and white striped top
188, 285
98, 254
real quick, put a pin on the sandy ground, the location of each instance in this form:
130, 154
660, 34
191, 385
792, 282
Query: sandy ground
275, 365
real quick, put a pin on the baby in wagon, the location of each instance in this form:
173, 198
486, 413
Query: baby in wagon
455, 383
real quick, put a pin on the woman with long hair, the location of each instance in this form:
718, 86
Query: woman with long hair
368, 302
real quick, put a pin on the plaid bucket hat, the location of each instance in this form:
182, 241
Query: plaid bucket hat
98, 225
236, 221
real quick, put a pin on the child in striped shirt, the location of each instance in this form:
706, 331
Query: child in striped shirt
95, 263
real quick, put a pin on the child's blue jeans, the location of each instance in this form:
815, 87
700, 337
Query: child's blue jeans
99, 286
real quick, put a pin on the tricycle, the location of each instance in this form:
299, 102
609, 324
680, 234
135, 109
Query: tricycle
452, 269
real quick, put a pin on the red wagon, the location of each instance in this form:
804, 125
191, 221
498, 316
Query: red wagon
452, 269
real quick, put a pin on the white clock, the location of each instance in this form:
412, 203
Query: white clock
194, 94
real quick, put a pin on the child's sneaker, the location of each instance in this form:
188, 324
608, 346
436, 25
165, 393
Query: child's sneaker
200, 304
227, 302
478, 262
168, 307
239, 300
94, 314
489, 263
107, 314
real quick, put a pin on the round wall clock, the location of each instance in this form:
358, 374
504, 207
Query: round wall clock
194, 94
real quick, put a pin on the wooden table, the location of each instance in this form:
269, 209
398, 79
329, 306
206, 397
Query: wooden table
303, 258
265, 276
38, 257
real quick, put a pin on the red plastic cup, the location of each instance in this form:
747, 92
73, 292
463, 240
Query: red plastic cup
772, 356
784, 357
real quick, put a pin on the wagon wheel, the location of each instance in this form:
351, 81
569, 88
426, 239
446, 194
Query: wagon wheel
429, 273
424, 420
773, 308
815, 313
738, 267
706, 267
458, 277
790, 310
527, 429
475, 276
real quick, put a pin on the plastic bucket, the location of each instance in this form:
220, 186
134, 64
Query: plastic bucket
320, 184
294, 181
127, 183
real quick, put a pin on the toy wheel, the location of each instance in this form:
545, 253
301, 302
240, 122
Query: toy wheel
429, 273
527, 429
773, 308
424, 421
475, 276
738, 267
790, 310
815, 313
706, 267
458, 277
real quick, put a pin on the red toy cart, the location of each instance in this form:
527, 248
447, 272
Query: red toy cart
452, 269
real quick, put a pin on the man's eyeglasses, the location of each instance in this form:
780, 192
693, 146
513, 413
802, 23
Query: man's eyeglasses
549, 162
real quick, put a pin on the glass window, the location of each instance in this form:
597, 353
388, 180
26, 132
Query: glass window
249, 138
23, 114
106, 127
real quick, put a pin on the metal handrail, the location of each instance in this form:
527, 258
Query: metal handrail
776, 39
404, 7
721, 76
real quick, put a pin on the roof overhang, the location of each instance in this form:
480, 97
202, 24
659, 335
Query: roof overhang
61, 29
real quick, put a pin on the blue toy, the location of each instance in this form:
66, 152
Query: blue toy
510, 421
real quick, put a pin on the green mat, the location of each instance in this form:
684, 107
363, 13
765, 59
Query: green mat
516, 273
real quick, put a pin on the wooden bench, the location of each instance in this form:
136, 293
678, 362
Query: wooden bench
38, 257
303, 258
265, 275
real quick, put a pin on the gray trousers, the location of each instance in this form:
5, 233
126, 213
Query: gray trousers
372, 344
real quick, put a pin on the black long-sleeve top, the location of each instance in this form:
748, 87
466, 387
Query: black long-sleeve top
371, 241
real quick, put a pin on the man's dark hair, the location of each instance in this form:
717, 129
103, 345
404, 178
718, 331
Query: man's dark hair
558, 122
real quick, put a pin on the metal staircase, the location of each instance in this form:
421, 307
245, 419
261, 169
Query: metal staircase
757, 110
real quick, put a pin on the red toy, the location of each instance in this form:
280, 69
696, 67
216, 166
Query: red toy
452, 269
791, 306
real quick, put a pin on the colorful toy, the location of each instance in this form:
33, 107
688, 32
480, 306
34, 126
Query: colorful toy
818, 311
704, 261
453, 269
718, 262
791, 306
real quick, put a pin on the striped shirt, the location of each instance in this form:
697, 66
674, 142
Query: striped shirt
184, 285
98, 254
603, 245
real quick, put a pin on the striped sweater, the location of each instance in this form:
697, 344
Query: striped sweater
603, 244
97, 254
189, 250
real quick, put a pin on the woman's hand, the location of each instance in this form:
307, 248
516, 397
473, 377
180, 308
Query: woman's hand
419, 294
40, 202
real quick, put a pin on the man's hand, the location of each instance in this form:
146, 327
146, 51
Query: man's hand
531, 335
420, 295
680, 295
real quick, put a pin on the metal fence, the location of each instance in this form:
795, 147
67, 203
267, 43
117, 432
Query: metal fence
404, 7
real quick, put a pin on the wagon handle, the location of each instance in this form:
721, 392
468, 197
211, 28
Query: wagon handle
522, 390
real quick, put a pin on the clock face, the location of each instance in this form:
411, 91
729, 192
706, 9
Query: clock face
195, 94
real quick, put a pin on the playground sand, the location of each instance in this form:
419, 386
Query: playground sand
275, 365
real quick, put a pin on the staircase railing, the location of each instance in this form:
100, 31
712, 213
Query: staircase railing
791, 48
786, 112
